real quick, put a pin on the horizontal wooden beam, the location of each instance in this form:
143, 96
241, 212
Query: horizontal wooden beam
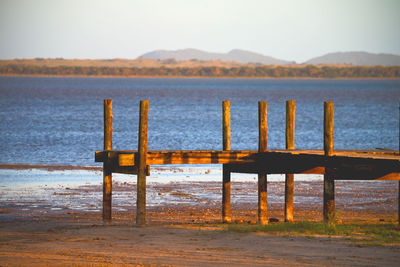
162, 156
354, 174
256, 168
113, 155
129, 169
338, 174
102, 156
189, 157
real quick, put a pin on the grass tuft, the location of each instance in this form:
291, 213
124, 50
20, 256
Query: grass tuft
368, 233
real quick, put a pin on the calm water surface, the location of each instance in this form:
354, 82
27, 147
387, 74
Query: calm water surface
60, 120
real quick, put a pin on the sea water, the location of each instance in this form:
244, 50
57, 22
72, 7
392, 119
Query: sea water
59, 121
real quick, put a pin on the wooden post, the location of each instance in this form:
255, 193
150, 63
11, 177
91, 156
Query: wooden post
141, 176
262, 177
329, 182
226, 174
289, 178
226, 125
328, 128
107, 174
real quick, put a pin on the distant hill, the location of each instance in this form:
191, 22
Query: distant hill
246, 57
236, 55
357, 58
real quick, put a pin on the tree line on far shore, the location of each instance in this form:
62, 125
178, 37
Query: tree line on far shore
264, 71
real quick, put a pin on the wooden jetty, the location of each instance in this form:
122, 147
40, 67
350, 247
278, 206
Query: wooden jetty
333, 164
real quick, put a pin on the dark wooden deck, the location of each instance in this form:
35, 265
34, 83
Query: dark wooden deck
347, 164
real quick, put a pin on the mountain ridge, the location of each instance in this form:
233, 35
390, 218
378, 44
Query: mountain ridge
359, 58
235, 55
356, 58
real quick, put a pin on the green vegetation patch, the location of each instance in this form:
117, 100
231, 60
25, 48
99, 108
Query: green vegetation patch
263, 71
366, 233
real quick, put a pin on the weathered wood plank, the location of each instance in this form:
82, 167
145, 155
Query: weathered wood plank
99, 156
339, 174
354, 174
129, 170
233, 156
273, 169
104, 155
189, 157
276, 161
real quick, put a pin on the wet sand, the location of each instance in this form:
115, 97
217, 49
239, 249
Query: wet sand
355, 200
63, 226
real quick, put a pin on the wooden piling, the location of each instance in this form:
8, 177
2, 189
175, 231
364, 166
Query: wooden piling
226, 174
328, 128
226, 125
289, 178
142, 151
262, 177
329, 182
107, 174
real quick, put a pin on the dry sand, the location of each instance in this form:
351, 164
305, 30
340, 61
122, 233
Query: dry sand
180, 234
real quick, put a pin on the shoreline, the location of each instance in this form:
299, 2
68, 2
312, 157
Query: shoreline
6, 166
195, 77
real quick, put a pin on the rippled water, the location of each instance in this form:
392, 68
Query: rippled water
60, 120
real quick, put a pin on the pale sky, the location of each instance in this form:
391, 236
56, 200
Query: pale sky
286, 29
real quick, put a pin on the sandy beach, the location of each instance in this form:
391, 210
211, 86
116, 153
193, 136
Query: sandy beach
81, 240
61, 224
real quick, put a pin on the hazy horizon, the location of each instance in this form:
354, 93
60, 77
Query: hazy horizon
287, 30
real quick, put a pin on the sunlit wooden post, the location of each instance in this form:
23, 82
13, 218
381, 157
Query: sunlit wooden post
226, 174
289, 178
107, 172
141, 176
329, 182
262, 176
